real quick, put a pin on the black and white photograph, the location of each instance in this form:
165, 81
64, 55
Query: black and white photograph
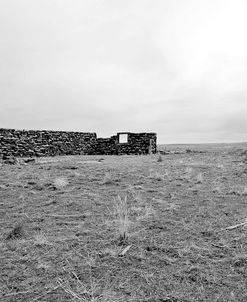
123, 150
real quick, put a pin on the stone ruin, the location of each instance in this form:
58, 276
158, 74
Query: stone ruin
127, 143
31, 143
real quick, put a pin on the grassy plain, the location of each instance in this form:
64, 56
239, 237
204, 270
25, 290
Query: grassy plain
126, 228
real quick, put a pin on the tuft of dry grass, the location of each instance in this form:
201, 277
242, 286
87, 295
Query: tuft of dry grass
160, 159
217, 189
244, 192
122, 217
135, 196
17, 232
199, 178
189, 170
144, 213
74, 286
156, 175
40, 240
108, 179
60, 182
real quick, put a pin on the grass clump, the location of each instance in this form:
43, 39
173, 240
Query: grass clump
60, 182
188, 171
41, 240
156, 176
160, 159
244, 193
108, 179
16, 233
122, 217
199, 179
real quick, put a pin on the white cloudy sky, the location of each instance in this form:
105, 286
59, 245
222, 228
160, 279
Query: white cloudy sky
175, 67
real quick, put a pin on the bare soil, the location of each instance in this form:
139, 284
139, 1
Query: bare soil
185, 236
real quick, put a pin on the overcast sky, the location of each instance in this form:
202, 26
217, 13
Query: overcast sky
175, 67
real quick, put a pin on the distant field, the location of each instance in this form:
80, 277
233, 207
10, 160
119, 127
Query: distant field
126, 228
206, 147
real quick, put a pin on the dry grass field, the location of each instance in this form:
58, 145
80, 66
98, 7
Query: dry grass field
168, 228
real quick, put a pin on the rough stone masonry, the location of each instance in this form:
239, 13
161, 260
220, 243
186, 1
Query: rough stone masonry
29, 143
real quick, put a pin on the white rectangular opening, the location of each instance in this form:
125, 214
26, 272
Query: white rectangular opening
123, 138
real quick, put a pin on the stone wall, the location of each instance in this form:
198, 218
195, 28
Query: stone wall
105, 146
24, 143
137, 143
28, 143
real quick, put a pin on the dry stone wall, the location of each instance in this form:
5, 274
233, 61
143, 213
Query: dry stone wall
137, 143
106, 146
28, 143
25, 143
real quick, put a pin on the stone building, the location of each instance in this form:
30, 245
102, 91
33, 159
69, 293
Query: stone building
127, 143
26, 143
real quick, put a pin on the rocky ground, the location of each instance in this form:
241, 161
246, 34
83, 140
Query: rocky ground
157, 228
